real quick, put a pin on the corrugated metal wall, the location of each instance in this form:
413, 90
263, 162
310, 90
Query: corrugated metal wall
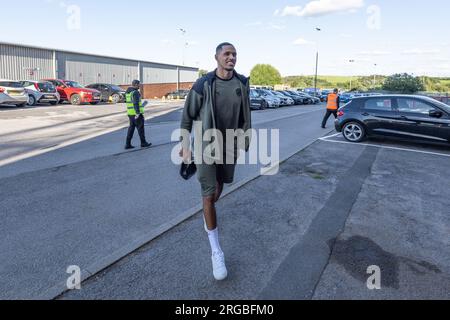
18, 63
154, 73
91, 69
188, 75
22, 63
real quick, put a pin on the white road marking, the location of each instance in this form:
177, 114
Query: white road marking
386, 147
332, 136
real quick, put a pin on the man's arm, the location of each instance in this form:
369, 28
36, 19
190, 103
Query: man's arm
338, 102
136, 100
192, 107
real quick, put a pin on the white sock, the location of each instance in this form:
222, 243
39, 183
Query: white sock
214, 241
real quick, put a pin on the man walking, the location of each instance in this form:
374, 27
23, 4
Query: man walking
135, 109
332, 107
220, 100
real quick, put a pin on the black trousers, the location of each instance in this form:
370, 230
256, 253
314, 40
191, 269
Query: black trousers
327, 116
138, 123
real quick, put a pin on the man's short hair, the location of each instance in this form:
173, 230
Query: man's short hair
336, 90
136, 83
223, 44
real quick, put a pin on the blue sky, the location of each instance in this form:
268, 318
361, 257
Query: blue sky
385, 36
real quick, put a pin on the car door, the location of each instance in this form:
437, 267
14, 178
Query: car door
105, 91
421, 119
379, 115
61, 89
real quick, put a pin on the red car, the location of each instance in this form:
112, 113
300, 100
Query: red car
75, 93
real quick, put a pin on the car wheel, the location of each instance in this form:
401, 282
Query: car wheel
75, 99
265, 105
354, 132
31, 100
115, 98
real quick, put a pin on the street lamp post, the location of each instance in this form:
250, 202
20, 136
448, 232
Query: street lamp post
317, 63
183, 33
375, 77
351, 75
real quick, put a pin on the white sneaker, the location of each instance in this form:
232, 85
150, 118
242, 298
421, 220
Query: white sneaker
219, 267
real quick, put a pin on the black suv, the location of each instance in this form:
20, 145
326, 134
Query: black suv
109, 92
416, 117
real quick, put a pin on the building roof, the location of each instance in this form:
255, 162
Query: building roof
97, 55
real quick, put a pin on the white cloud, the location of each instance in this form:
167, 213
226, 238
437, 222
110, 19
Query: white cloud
302, 42
320, 8
419, 52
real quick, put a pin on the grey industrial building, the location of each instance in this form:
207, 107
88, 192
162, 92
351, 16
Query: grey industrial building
19, 62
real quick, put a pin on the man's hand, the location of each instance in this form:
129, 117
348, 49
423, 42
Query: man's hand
186, 154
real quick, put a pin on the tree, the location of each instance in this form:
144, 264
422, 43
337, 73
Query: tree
403, 83
265, 75
202, 72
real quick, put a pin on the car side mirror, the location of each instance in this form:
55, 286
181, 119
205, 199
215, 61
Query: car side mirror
436, 114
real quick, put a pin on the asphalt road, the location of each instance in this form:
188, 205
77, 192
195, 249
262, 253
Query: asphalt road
313, 231
90, 203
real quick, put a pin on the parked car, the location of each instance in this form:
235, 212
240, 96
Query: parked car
272, 100
179, 94
12, 92
75, 93
394, 115
110, 92
345, 98
304, 99
40, 92
257, 102
285, 100
310, 98
297, 99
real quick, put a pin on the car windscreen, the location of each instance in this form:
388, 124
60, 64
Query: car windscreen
117, 88
73, 84
46, 86
10, 84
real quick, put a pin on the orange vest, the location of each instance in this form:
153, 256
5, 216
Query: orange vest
332, 101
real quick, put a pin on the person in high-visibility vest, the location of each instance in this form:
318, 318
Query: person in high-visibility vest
333, 103
135, 111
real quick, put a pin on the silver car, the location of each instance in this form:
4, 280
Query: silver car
12, 93
273, 101
41, 92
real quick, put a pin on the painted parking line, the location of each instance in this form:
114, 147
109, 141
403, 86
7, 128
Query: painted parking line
332, 136
327, 139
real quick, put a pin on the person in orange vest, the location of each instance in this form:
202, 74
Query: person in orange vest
332, 106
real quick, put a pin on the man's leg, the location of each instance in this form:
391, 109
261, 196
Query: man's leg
209, 210
325, 119
130, 133
335, 114
141, 130
207, 176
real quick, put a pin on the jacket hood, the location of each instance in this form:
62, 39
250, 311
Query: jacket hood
131, 89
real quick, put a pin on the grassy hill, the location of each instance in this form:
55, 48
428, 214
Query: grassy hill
359, 82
